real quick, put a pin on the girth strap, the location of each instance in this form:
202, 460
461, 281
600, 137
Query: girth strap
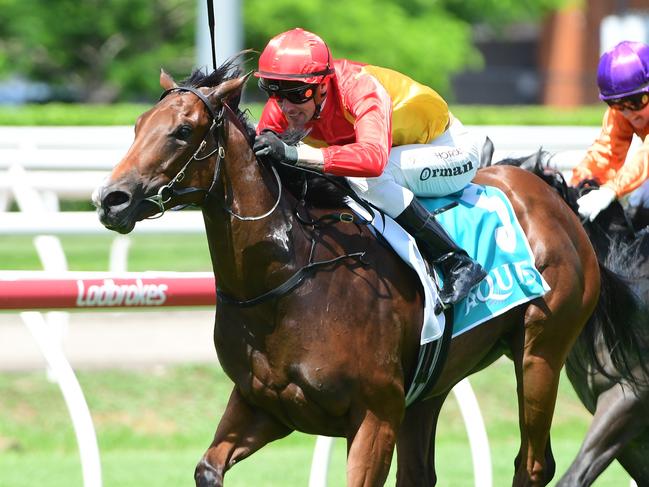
431, 361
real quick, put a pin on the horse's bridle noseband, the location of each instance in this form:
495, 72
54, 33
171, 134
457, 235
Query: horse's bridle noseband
217, 127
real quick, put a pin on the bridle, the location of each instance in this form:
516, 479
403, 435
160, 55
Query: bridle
218, 130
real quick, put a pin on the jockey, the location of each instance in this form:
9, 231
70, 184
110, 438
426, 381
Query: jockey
387, 134
623, 80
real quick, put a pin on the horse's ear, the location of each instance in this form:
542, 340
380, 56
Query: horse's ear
166, 81
229, 91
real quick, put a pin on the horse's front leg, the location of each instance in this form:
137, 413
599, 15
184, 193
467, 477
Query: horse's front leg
242, 431
370, 450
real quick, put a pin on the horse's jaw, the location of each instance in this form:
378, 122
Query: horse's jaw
116, 222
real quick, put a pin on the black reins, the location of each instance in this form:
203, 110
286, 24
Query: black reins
218, 130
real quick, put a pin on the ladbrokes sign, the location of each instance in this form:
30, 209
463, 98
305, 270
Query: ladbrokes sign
110, 294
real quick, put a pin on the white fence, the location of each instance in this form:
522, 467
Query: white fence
87, 222
69, 162
99, 148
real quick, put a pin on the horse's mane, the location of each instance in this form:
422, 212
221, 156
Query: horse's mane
620, 322
540, 164
230, 69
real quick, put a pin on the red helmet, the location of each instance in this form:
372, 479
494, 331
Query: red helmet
296, 55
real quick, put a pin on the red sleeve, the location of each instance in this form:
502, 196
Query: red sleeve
371, 107
272, 118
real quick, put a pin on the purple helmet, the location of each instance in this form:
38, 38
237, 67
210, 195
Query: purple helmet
624, 70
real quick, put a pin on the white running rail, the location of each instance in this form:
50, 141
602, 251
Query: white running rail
71, 161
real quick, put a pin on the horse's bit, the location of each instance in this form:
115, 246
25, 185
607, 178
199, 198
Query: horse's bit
167, 191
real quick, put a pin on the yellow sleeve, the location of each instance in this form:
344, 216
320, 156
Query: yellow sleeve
419, 113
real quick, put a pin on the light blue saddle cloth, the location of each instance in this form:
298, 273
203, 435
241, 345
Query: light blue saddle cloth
484, 224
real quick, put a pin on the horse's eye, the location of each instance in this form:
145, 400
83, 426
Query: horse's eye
183, 132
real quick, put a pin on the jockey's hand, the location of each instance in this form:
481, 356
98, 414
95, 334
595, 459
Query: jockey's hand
592, 203
270, 147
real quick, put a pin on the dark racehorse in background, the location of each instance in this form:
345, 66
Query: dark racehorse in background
609, 368
318, 323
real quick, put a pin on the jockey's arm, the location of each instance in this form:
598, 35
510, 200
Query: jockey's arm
371, 108
310, 158
606, 155
633, 173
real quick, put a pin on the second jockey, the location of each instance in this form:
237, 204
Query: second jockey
390, 136
623, 81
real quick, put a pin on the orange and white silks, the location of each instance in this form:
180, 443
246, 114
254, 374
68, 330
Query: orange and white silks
605, 159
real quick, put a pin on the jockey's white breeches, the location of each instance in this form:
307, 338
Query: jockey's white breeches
443, 166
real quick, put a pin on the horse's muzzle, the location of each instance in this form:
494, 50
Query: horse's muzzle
115, 208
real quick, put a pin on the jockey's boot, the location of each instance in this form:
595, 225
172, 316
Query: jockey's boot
461, 272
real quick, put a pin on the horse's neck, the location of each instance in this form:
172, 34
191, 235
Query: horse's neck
249, 255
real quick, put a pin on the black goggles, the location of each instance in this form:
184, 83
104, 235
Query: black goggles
295, 94
632, 102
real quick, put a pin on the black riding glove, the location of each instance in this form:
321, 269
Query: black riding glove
269, 146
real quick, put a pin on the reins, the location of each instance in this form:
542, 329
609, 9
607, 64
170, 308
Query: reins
312, 266
218, 127
218, 130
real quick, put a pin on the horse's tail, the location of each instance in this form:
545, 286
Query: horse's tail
615, 340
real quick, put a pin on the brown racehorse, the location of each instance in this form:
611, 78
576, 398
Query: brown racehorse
332, 349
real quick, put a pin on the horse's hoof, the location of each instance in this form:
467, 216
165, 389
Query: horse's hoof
207, 476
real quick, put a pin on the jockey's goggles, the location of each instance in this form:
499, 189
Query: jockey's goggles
633, 102
293, 91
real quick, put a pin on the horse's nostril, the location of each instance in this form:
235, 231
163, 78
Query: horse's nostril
115, 198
